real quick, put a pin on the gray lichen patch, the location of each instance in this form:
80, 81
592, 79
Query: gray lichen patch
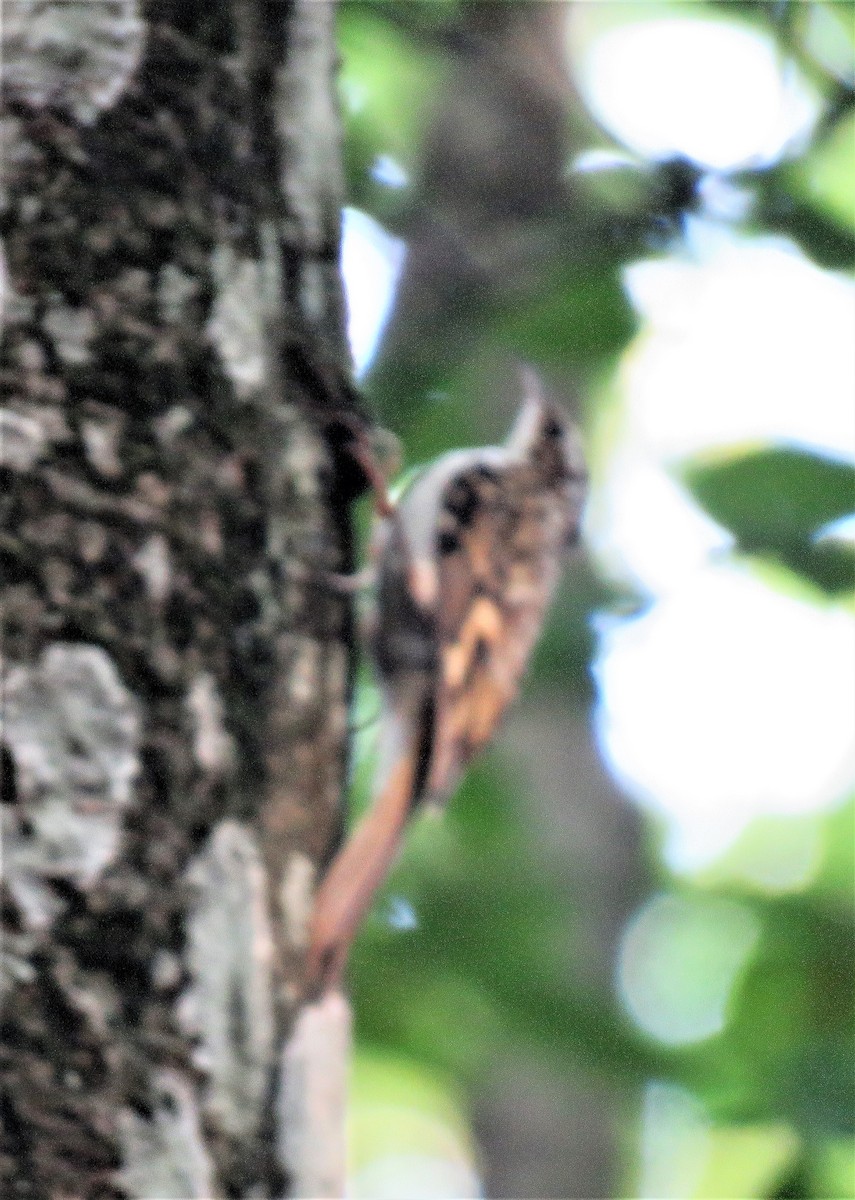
22, 440
295, 898
72, 730
154, 564
73, 54
229, 1005
71, 330
16, 965
307, 663
313, 1098
101, 432
212, 744
308, 126
304, 456
164, 1154
174, 290
236, 325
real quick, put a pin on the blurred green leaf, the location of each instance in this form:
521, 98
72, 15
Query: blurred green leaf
826, 177
837, 872
382, 69
742, 1163
388, 1090
581, 316
775, 501
832, 1169
828, 36
817, 1087
783, 208
782, 1056
774, 854
773, 496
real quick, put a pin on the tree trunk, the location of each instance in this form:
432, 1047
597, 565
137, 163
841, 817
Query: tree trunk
175, 491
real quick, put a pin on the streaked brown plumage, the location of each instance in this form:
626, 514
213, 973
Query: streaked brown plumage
467, 565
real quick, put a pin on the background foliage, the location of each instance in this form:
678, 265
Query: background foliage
479, 964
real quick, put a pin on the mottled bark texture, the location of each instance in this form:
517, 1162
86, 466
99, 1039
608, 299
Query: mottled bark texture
174, 491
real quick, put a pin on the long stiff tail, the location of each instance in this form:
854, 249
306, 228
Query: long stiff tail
356, 872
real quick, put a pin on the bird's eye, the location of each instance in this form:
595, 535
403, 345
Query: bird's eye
462, 500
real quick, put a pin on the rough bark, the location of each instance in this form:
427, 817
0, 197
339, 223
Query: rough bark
176, 669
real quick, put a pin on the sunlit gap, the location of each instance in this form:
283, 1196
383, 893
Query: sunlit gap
682, 1153
727, 699
678, 961
409, 1134
371, 263
711, 90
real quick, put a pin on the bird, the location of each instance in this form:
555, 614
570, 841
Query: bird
466, 565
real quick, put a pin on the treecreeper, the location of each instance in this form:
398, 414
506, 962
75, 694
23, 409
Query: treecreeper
467, 563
